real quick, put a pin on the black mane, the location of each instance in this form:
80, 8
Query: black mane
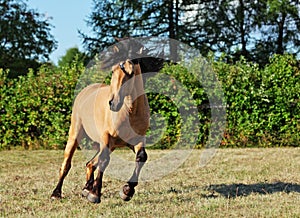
136, 52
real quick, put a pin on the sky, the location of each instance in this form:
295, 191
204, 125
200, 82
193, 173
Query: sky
68, 16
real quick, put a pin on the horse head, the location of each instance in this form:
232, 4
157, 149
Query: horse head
121, 85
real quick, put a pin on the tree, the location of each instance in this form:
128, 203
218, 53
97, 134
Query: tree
116, 18
224, 26
73, 55
253, 29
25, 38
279, 27
109, 19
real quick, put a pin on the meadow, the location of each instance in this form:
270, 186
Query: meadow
250, 182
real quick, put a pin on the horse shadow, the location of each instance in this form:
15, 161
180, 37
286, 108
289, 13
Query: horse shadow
237, 190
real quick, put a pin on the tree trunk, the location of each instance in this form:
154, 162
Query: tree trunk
172, 32
281, 22
242, 29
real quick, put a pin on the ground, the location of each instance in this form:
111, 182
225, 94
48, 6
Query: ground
235, 183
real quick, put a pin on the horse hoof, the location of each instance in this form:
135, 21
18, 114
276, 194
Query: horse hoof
56, 195
85, 193
127, 193
125, 197
93, 198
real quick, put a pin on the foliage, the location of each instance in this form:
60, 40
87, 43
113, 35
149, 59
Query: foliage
253, 29
263, 104
177, 97
73, 55
115, 18
25, 37
35, 110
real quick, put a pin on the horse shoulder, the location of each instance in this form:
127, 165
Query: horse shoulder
90, 106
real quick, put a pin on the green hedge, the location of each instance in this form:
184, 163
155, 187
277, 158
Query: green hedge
263, 105
35, 109
177, 96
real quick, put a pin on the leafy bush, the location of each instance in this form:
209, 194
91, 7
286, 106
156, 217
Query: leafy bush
35, 109
263, 105
178, 95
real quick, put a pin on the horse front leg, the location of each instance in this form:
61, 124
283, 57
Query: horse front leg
103, 161
127, 191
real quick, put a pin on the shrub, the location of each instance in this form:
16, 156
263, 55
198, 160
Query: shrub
35, 109
262, 105
177, 99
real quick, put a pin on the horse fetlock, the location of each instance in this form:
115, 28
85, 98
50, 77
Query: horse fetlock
141, 156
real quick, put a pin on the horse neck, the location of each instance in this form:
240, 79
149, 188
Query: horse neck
140, 102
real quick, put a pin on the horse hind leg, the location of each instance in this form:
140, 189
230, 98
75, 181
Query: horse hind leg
103, 161
75, 136
90, 169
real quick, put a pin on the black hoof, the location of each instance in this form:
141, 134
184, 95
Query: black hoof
127, 193
125, 197
56, 195
93, 198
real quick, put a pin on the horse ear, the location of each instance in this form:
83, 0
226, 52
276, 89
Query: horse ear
140, 51
116, 49
128, 67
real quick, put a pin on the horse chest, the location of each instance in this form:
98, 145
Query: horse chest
127, 127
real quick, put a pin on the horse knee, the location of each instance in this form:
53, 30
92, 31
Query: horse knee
141, 156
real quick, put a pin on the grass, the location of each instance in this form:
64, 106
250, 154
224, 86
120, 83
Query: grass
235, 183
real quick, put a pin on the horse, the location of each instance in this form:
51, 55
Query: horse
113, 116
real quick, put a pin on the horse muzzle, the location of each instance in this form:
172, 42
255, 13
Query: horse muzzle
115, 105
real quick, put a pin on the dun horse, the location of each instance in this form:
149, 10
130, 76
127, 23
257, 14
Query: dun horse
113, 116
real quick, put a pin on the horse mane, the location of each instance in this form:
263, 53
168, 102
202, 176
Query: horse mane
132, 49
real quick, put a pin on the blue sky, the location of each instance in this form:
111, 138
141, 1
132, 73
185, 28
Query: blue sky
68, 16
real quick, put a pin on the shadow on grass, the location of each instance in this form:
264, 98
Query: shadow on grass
237, 190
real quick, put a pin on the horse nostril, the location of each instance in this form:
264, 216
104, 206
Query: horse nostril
110, 102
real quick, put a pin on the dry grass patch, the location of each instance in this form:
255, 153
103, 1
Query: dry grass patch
237, 182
